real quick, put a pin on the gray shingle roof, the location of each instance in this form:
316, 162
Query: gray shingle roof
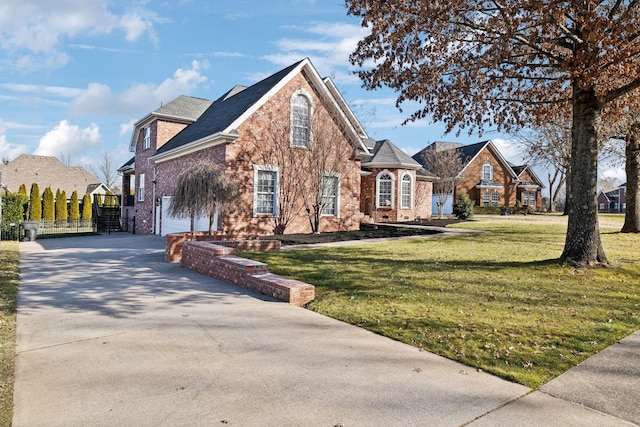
225, 110
185, 107
46, 172
387, 154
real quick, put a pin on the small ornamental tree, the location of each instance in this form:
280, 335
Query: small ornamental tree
23, 190
86, 208
202, 189
48, 208
74, 208
463, 208
35, 203
62, 212
12, 209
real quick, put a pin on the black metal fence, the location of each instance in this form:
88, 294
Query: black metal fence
45, 229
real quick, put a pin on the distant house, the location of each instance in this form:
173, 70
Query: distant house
239, 130
614, 201
488, 178
48, 171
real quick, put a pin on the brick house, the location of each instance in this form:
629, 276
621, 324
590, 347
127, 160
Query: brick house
488, 179
260, 134
614, 201
394, 186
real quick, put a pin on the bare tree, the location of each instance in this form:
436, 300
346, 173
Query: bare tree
445, 164
106, 171
550, 145
203, 188
473, 64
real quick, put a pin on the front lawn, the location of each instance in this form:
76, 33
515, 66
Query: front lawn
497, 301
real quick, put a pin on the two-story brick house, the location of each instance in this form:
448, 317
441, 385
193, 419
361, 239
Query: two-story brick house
488, 178
261, 135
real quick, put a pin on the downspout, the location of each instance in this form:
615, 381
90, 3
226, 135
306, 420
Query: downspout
153, 199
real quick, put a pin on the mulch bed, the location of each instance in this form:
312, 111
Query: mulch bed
367, 231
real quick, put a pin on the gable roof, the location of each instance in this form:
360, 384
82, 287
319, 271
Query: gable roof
467, 153
387, 155
183, 109
220, 121
519, 170
47, 171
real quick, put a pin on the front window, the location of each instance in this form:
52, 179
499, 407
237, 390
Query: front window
265, 191
146, 141
330, 193
494, 198
385, 191
141, 187
485, 198
300, 121
529, 198
487, 171
405, 202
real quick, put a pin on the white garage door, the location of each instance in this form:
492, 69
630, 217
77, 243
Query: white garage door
170, 224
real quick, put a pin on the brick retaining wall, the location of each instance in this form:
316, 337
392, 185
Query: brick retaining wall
174, 242
217, 259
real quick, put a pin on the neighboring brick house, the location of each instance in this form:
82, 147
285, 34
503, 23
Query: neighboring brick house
394, 186
291, 112
490, 180
614, 201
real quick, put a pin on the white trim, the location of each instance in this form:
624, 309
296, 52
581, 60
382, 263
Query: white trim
276, 189
309, 99
338, 178
140, 188
202, 143
393, 188
411, 191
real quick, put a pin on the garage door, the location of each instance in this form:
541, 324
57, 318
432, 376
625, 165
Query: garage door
170, 224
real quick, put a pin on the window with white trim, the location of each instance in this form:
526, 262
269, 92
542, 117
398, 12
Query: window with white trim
146, 140
494, 198
265, 190
485, 198
141, 187
487, 171
405, 191
384, 190
300, 121
330, 195
529, 198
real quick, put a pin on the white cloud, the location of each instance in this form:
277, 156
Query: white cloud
510, 149
66, 138
10, 151
127, 128
32, 31
138, 98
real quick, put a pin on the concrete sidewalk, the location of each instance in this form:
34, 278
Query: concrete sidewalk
108, 334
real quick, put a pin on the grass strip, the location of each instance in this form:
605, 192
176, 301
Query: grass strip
9, 280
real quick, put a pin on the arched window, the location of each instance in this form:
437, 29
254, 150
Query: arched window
487, 171
406, 191
300, 121
384, 190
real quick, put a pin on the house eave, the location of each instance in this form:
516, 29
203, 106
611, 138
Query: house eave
148, 119
391, 166
201, 144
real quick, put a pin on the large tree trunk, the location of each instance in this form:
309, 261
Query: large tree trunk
632, 168
582, 244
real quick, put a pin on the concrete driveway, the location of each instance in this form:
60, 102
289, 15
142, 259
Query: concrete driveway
108, 335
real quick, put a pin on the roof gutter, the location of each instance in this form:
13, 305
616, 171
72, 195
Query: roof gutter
206, 142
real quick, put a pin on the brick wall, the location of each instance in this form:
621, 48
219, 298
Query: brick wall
220, 262
174, 243
501, 175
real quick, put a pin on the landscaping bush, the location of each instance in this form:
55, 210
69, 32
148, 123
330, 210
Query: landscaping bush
35, 203
86, 208
48, 208
463, 208
74, 208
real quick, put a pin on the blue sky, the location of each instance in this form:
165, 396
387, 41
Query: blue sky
76, 74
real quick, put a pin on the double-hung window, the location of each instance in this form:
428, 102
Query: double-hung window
487, 171
300, 121
265, 190
146, 139
385, 190
494, 198
485, 198
141, 187
405, 192
330, 195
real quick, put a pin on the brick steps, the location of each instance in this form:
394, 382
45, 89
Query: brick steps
218, 260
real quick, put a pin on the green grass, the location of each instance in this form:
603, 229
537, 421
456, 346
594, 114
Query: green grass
498, 301
9, 279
